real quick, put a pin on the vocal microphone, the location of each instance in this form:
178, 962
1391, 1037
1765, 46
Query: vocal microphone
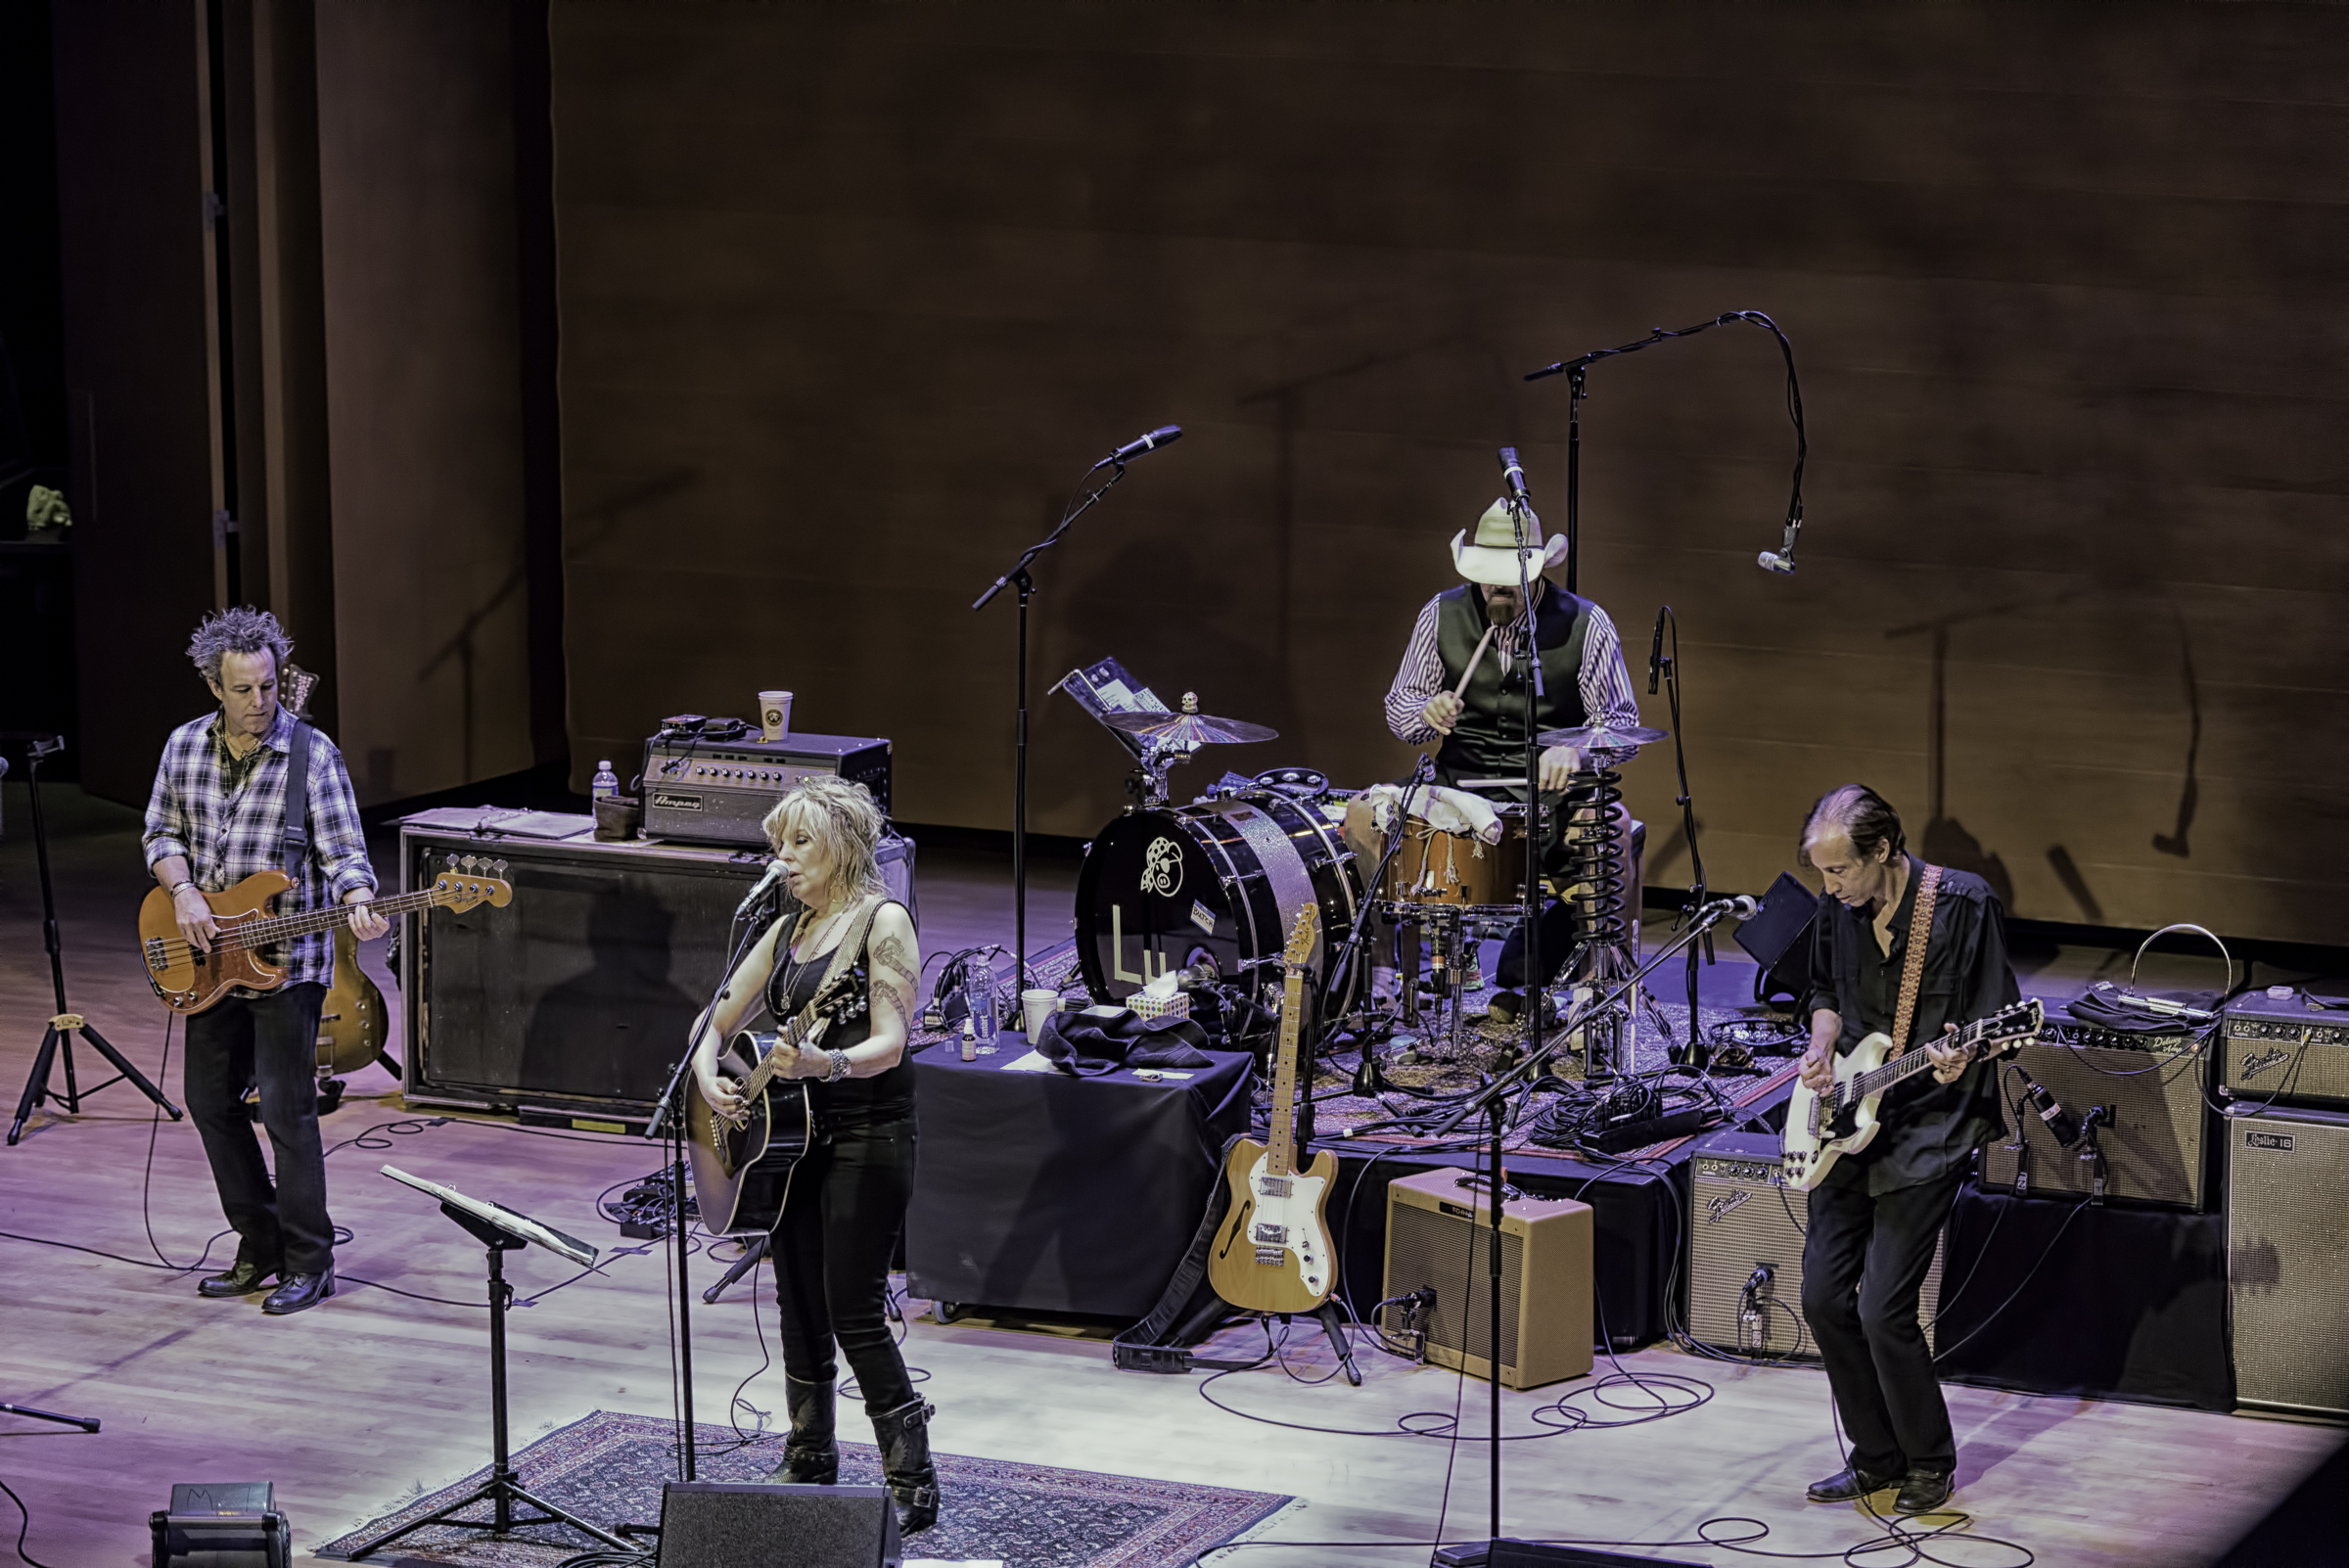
1514, 473
1739, 907
1163, 435
1655, 651
774, 874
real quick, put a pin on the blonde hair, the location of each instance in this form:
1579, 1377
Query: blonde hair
843, 819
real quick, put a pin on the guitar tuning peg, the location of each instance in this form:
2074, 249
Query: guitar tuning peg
497, 868
452, 862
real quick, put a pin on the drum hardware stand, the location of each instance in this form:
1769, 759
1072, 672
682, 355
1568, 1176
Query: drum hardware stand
56, 1041
1665, 668
1018, 577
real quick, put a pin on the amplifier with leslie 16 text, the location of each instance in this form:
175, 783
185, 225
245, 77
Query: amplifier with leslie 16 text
2292, 1050
702, 790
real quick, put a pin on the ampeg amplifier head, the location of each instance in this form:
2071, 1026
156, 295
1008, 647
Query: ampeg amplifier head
2280, 1051
699, 791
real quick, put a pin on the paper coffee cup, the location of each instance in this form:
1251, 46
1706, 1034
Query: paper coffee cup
1036, 1006
774, 714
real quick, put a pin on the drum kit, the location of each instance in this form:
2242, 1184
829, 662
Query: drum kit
1213, 888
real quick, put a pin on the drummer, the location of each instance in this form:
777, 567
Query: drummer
1483, 728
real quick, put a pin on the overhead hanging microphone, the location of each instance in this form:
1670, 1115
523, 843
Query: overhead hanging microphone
1142, 445
1781, 559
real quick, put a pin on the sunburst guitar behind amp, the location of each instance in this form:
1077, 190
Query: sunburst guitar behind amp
1438, 1230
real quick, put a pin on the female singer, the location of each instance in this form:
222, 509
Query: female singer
846, 1203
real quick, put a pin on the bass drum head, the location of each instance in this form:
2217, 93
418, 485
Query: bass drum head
1222, 880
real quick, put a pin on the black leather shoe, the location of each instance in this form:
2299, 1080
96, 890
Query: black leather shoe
243, 1278
1923, 1491
299, 1292
1848, 1485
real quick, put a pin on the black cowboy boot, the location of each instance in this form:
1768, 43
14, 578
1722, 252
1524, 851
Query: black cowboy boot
811, 1457
904, 1438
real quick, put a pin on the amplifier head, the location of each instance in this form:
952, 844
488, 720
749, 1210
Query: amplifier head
2279, 1050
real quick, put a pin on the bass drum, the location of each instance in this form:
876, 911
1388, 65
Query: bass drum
1224, 880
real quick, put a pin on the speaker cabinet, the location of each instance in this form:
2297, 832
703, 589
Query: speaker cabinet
747, 1524
1745, 1251
1437, 1236
2280, 1050
2153, 1145
2287, 1257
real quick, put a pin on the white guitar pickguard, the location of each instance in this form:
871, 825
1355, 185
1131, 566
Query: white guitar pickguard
1290, 1221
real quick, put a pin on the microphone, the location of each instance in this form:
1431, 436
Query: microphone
774, 874
1163, 435
1773, 561
1741, 907
1514, 473
2060, 1124
1781, 559
1655, 651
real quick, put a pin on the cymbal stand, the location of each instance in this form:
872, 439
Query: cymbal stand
1665, 668
56, 1041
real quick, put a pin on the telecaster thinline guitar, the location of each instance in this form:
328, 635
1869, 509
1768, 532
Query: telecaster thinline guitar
1821, 1129
1273, 1253
189, 982
765, 1139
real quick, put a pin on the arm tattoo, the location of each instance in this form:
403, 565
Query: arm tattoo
890, 952
898, 996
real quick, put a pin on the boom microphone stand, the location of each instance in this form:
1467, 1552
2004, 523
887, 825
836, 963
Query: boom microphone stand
57, 1042
1019, 578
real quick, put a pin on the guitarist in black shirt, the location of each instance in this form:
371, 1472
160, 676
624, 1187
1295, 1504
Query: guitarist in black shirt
1875, 1217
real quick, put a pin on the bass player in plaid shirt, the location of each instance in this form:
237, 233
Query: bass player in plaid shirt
216, 816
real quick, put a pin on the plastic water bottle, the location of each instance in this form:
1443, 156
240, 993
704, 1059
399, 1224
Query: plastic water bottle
606, 784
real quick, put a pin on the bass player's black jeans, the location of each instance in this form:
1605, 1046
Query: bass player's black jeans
1864, 1262
270, 1040
832, 1248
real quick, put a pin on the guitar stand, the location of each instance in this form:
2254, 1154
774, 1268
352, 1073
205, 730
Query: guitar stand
1333, 1325
58, 1039
502, 1491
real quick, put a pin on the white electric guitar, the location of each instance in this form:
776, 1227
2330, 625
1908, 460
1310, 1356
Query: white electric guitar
1823, 1128
1272, 1252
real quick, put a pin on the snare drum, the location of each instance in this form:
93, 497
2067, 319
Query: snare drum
1459, 871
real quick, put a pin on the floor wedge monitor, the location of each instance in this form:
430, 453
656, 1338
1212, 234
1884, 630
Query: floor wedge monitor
2287, 1259
749, 1524
1437, 1233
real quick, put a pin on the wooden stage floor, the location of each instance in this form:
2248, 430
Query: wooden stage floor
373, 1396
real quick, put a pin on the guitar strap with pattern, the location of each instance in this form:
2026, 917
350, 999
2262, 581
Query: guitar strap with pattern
844, 955
1913, 973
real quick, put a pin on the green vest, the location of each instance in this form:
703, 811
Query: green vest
1489, 742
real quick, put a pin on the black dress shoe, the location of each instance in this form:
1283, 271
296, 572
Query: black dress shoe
1848, 1485
243, 1278
1923, 1491
299, 1292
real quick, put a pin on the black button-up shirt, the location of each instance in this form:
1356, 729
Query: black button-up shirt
1929, 1129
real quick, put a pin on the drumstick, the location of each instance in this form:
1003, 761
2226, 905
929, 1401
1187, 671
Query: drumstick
1474, 660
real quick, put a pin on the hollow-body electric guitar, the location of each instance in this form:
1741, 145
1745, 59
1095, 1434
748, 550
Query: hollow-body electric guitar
1820, 1128
189, 981
1272, 1252
741, 1164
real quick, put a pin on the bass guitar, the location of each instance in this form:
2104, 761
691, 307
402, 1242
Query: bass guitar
1821, 1129
741, 1164
1273, 1253
189, 982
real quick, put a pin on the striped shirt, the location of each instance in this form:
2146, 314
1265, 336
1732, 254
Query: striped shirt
227, 816
1606, 686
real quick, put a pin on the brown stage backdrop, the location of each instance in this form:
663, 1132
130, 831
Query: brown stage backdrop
852, 293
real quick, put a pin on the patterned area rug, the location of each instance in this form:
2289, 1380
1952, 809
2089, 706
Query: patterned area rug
610, 1469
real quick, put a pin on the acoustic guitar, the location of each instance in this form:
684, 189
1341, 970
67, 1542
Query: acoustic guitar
1273, 1253
741, 1164
189, 982
1821, 1129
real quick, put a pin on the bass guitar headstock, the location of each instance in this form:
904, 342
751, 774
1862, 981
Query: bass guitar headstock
469, 881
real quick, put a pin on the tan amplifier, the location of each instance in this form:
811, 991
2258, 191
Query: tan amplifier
1438, 1232
2280, 1051
2153, 1137
2288, 1271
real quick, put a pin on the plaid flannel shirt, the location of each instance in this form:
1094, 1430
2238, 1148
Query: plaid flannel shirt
228, 817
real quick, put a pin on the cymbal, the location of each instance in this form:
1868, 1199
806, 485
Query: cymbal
1599, 738
1190, 727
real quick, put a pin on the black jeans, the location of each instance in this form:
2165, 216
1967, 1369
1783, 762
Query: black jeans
832, 1249
1864, 1267
271, 1040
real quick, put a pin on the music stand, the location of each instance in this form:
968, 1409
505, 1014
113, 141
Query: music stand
501, 1231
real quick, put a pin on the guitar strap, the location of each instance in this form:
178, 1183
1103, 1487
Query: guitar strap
1913, 973
297, 833
844, 955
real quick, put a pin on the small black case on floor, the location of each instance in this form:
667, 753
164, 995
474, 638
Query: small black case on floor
222, 1524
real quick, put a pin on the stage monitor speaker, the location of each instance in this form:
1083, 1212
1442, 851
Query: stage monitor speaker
575, 999
2281, 1051
1777, 940
749, 1524
1437, 1235
1745, 1251
221, 1524
2154, 1144
2287, 1259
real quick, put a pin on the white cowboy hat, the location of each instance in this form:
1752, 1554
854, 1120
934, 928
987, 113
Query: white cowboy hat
1493, 558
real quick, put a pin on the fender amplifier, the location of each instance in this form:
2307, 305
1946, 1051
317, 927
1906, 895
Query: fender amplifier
2287, 1257
1438, 1232
703, 791
2280, 1051
2151, 1146
1745, 1251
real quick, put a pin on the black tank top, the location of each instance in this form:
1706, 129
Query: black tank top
792, 986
